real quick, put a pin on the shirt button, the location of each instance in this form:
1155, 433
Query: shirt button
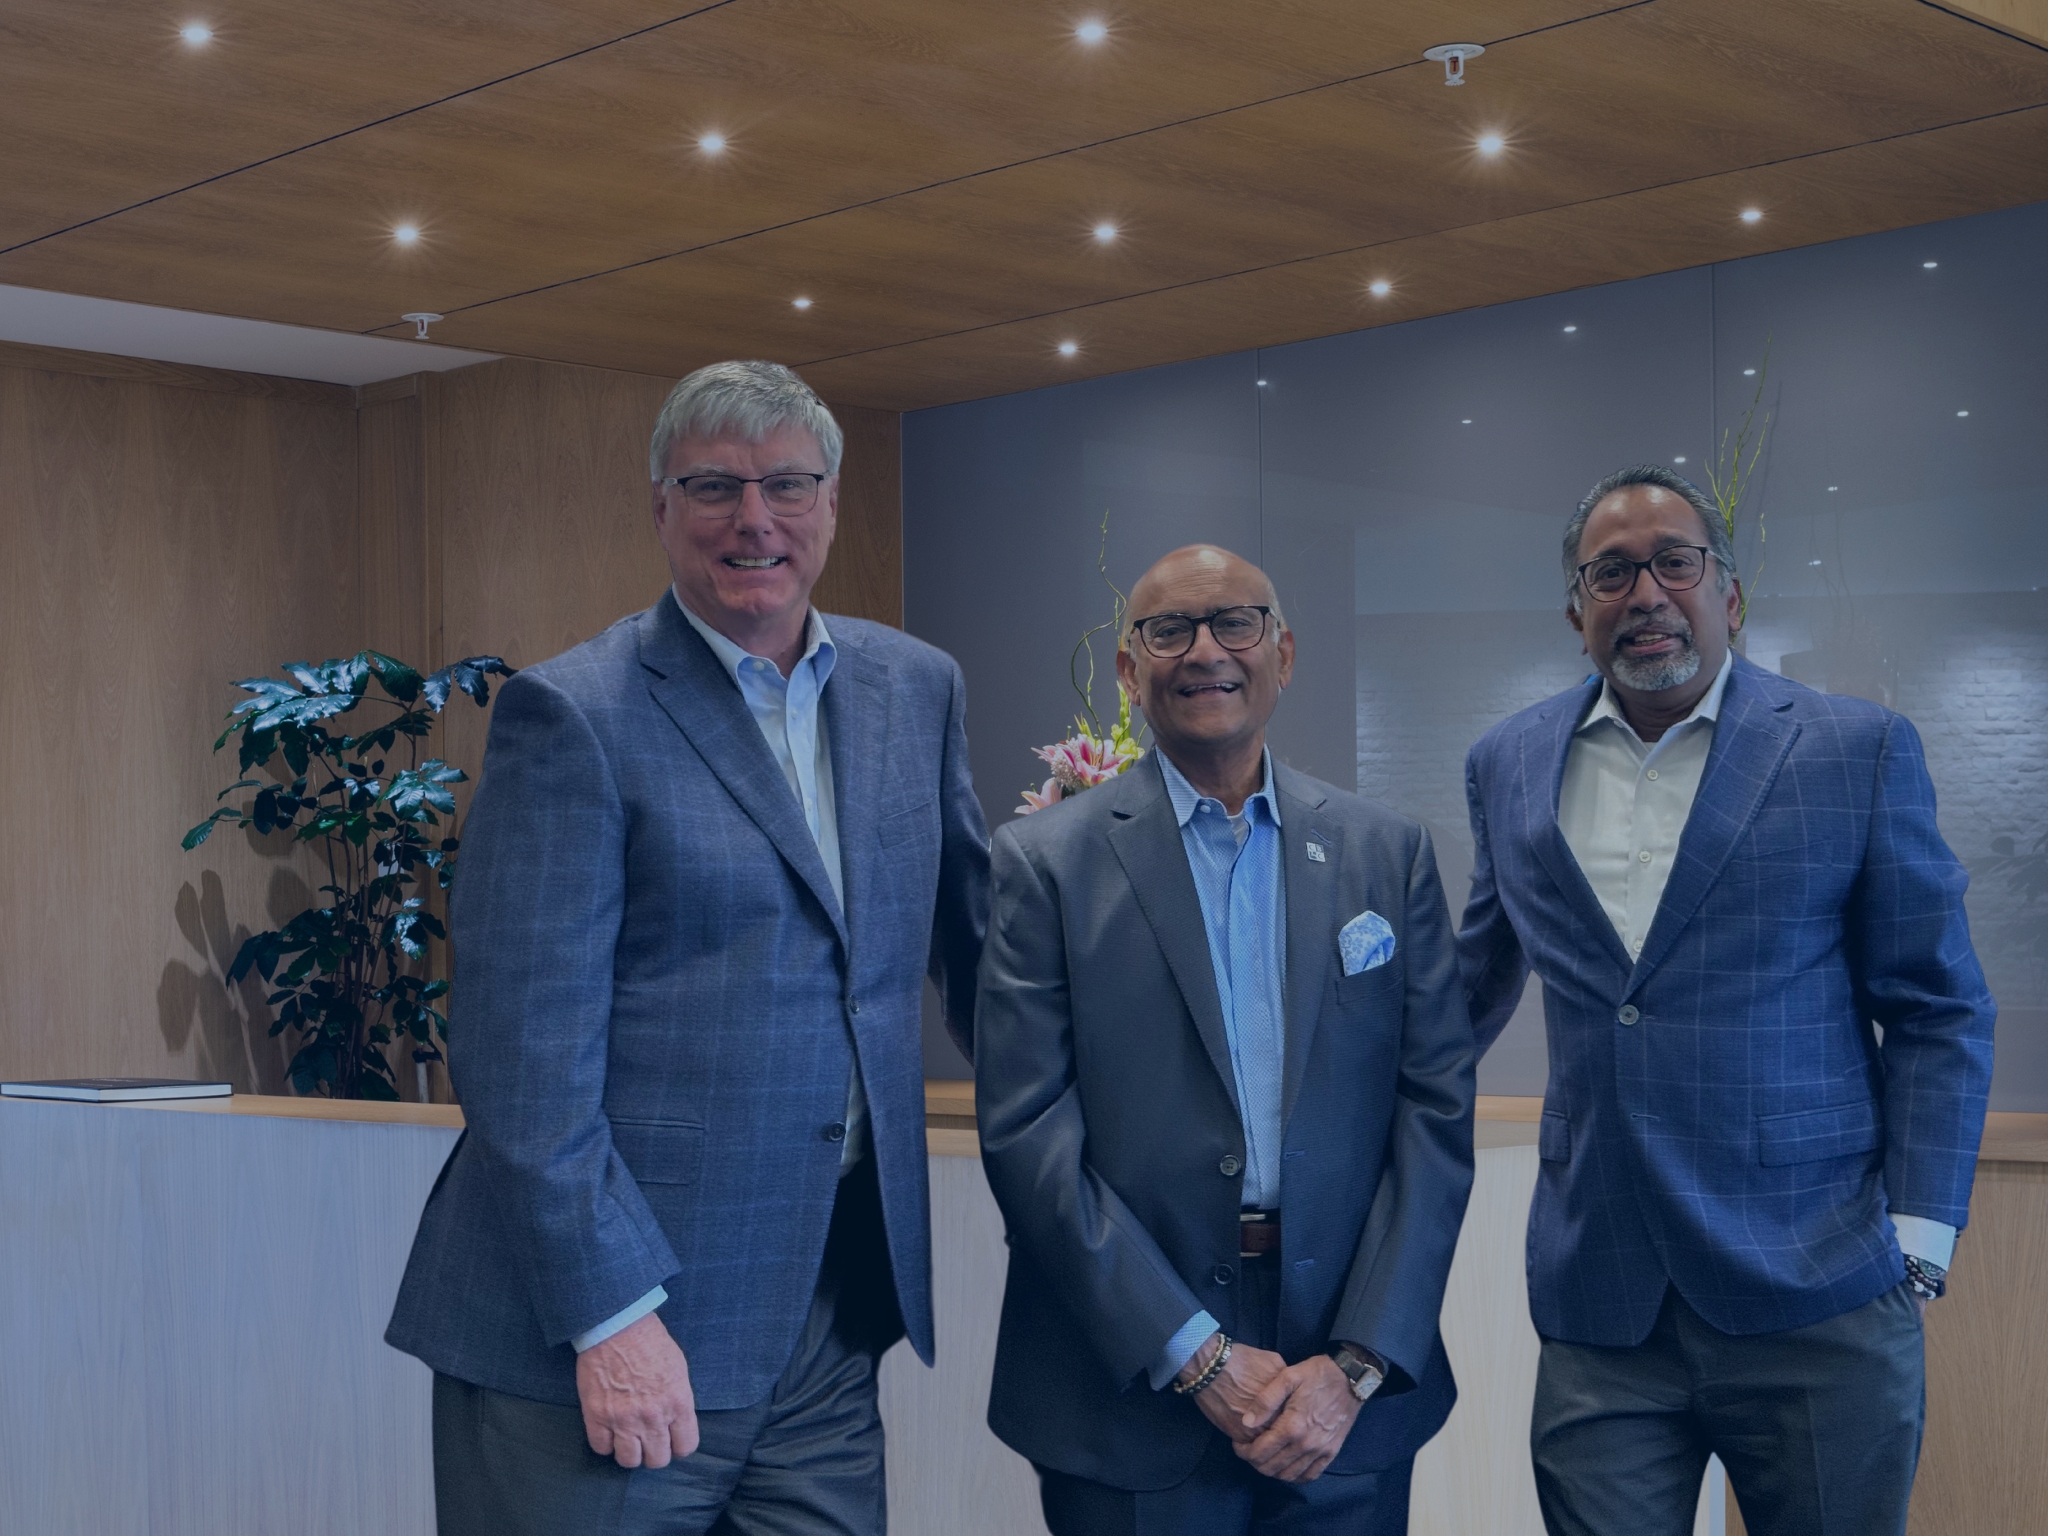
1628, 1014
1643, 857
1229, 1167
1222, 1274
836, 1131
1652, 773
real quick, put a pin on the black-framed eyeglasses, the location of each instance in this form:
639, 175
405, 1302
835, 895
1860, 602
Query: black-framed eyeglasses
787, 493
1239, 628
1675, 568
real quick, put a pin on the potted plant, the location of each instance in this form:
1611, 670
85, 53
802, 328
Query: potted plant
351, 977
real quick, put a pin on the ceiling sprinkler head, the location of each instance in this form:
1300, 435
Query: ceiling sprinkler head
420, 321
1453, 56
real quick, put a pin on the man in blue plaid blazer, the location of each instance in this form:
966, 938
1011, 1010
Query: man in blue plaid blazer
1770, 1048
713, 856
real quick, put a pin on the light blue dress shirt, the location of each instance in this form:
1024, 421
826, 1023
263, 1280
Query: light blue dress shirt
1236, 864
787, 709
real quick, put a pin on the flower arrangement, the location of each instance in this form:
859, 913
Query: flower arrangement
1091, 755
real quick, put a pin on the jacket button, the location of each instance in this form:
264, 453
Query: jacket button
853, 1005
1628, 1014
1222, 1274
1229, 1167
836, 1131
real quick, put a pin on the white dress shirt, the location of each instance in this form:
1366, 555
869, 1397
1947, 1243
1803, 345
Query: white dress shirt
788, 711
1623, 808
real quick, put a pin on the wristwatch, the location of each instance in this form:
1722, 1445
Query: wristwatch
1360, 1366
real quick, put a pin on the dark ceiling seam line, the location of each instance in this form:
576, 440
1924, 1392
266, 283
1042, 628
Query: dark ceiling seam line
1978, 21
1353, 250
996, 170
391, 117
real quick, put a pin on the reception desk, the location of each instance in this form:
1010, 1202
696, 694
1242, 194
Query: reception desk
193, 1297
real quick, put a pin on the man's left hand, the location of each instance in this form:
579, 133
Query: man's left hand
1311, 1410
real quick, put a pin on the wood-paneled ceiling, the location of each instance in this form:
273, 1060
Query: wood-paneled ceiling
929, 173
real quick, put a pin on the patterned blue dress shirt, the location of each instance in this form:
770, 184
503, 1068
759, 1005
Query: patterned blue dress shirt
1236, 864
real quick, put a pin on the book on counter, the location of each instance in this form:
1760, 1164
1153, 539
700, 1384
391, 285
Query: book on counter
116, 1090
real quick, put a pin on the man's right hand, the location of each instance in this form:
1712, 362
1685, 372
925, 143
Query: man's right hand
635, 1389
1227, 1399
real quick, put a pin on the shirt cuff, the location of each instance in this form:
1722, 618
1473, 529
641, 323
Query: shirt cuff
625, 1319
1931, 1242
1181, 1348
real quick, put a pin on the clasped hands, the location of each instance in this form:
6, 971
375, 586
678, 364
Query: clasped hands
1288, 1421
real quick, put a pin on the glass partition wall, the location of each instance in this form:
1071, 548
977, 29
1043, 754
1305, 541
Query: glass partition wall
1407, 486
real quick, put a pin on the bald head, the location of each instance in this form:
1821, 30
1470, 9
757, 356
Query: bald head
1196, 578
1209, 704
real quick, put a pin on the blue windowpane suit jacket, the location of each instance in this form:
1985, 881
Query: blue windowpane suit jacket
658, 1006
1721, 1115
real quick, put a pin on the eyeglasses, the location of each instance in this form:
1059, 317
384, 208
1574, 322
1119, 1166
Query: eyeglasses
788, 493
1167, 635
1676, 568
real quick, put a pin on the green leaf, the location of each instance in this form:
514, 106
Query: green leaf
472, 675
200, 833
394, 676
378, 1089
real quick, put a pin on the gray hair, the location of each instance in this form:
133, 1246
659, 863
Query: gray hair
752, 399
1719, 545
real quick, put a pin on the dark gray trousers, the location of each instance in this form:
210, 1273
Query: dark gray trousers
804, 1461
1819, 1427
1224, 1496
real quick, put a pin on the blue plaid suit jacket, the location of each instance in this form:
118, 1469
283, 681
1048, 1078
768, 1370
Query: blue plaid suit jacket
1745, 1136
658, 1004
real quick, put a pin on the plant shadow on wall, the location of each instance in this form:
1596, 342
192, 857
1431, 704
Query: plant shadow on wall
351, 976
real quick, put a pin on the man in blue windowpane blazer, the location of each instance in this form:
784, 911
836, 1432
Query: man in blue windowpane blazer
1770, 1049
713, 856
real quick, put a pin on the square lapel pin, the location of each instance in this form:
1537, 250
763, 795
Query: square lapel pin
1315, 853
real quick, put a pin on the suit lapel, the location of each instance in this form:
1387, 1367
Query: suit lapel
856, 718
1751, 739
1146, 840
1311, 938
695, 692
1544, 746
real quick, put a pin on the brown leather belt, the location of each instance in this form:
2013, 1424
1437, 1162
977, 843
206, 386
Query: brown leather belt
1258, 1232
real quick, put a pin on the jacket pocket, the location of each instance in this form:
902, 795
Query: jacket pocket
1808, 1135
660, 1151
1554, 1138
901, 826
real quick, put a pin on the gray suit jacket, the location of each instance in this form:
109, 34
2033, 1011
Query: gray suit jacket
658, 1006
1110, 1130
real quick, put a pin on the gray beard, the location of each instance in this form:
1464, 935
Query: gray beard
1656, 676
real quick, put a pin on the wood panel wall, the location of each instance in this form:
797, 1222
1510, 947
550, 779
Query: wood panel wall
170, 529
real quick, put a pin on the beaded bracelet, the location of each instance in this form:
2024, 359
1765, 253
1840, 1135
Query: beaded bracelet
1209, 1372
1929, 1281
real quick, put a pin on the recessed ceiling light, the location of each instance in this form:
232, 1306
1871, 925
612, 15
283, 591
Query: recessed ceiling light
197, 34
1379, 288
1491, 143
1569, 329
1679, 460
1468, 421
1091, 32
406, 234
1962, 413
1749, 373
799, 303
712, 143
1930, 265
1262, 383
1105, 233
1069, 348
1751, 215
1834, 487
1813, 562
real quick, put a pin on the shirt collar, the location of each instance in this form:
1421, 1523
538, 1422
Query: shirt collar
820, 650
1607, 707
1186, 798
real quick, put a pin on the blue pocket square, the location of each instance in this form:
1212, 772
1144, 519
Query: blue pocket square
1366, 941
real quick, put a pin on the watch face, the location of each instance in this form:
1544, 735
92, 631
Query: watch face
1366, 1383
